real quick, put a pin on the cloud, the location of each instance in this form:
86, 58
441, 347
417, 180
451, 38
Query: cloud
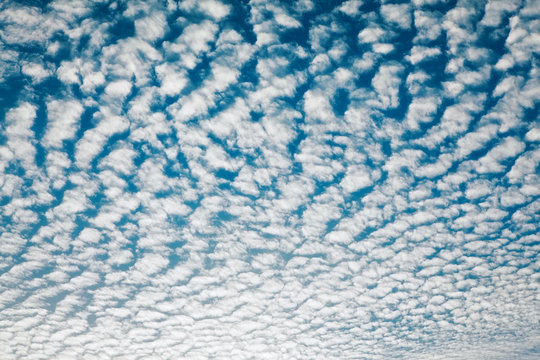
119, 88
491, 162
386, 83
215, 9
94, 140
420, 53
63, 117
398, 15
18, 129
427, 24
371, 35
422, 110
205, 179
193, 41
351, 7
151, 27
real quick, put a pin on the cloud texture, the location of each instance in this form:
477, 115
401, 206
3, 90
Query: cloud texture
269, 179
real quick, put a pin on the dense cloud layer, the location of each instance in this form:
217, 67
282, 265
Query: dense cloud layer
269, 180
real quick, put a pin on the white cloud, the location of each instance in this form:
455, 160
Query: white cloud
215, 9
356, 179
386, 83
420, 53
524, 166
121, 160
63, 118
371, 35
11, 244
172, 79
427, 25
422, 110
36, 71
151, 27
129, 58
478, 189
17, 127
351, 7
192, 42
92, 80
496, 10
491, 162
151, 263
383, 48
94, 140
399, 15
120, 88
283, 19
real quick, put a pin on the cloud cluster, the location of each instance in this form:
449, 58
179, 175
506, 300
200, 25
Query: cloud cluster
270, 180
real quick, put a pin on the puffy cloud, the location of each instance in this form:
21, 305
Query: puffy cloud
151, 27
398, 15
206, 179
386, 83
18, 130
63, 119
119, 88
491, 162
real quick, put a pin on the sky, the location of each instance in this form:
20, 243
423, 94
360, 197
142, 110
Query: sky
270, 179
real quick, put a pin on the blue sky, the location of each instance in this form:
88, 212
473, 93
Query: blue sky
269, 179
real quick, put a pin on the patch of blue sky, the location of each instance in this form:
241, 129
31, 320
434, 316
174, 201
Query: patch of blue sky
209, 179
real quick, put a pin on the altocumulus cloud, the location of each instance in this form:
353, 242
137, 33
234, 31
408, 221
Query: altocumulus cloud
269, 179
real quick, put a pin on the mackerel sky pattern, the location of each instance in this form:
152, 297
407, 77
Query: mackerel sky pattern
269, 179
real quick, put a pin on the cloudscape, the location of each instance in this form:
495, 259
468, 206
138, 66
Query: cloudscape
266, 179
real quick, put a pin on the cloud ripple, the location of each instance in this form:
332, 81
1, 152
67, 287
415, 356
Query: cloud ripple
269, 180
